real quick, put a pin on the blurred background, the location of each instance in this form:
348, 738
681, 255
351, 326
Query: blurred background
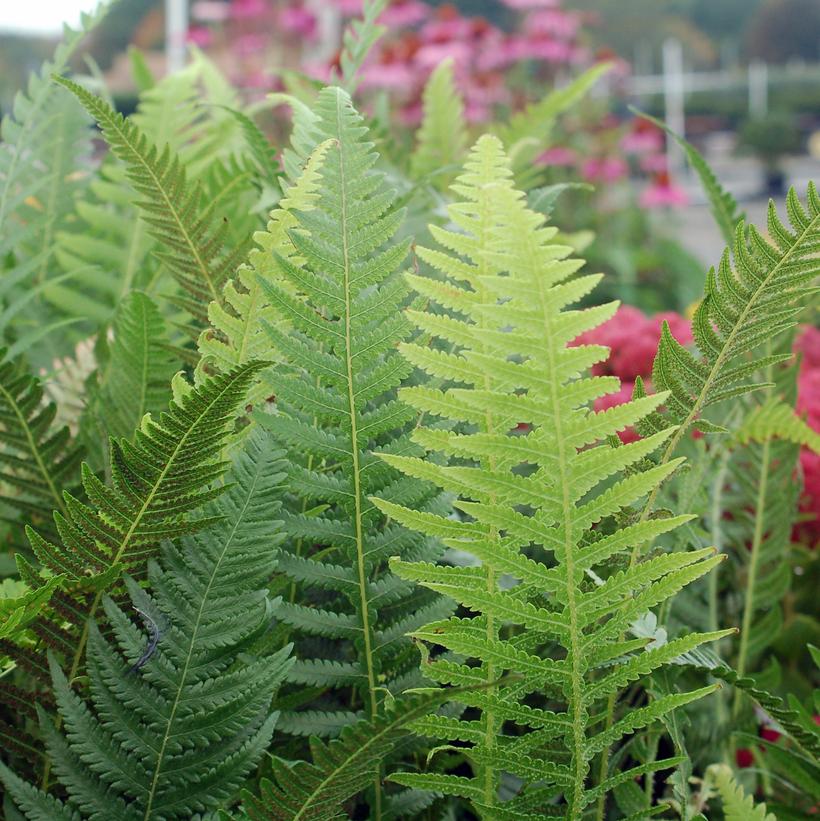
739, 78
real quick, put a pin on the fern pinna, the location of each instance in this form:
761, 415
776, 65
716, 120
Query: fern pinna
336, 402
159, 478
540, 510
172, 733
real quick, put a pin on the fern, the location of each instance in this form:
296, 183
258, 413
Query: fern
358, 40
442, 138
777, 420
39, 460
336, 401
175, 734
528, 132
134, 380
237, 334
190, 236
544, 492
160, 478
342, 768
743, 307
737, 806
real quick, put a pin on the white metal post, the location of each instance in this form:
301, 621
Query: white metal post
673, 94
176, 29
758, 88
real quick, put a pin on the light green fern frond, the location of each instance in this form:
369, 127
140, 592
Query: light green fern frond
358, 40
737, 806
528, 132
237, 334
171, 731
777, 420
442, 137
541, 509
191, 237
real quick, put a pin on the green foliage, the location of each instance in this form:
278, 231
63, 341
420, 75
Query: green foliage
341, 298
159, 479
134, 380
749, 300
442, 138
777, 420
737, 806
343, 766
196, 709
39, 460
525, 496
359, 39
191, 237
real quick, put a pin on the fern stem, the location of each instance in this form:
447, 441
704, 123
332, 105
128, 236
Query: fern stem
361, 569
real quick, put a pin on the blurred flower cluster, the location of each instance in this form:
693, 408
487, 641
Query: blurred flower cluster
632, 337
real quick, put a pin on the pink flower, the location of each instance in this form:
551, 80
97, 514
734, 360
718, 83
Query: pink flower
662, 193
808, 344
604, 169
200, 36
295, 19
555, 22
350, 8
248, 9
404, 13
387, 75
250, 43
210, 11
429, 56
642, 140
679, 327
558, 156
654, 163
526, 5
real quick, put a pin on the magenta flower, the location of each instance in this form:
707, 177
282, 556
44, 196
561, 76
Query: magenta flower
430, 55
642, 142
553, 22
295, 19
558, 156
604, 169
388, 75
654, 163
526, 5
662, 193
404, 13
200, 36
350, 8
248, 9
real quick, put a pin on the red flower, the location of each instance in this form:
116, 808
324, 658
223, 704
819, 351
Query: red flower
744, 757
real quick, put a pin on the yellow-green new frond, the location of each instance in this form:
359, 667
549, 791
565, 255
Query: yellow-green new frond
777, 420
541, 496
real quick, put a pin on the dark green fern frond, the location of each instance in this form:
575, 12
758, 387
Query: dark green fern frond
172, 734
750, 299
136, 376
550, 597
38, 461
341, 296
341, 768
191, 237
159, 479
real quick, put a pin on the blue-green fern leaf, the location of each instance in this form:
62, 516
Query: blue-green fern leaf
539, 509
173, 735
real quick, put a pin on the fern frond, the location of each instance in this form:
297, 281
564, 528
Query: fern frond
542, 510
237, 334
19, 605
341, 768
528, 132
341, 296
191, 237
39, 461
135, 379
722, 204
749, 300
46, 139
161, 477
358, 41
777, 420
442, 137
174, 733
737, 806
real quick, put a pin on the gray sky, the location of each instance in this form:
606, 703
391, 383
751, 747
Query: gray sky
45, 16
